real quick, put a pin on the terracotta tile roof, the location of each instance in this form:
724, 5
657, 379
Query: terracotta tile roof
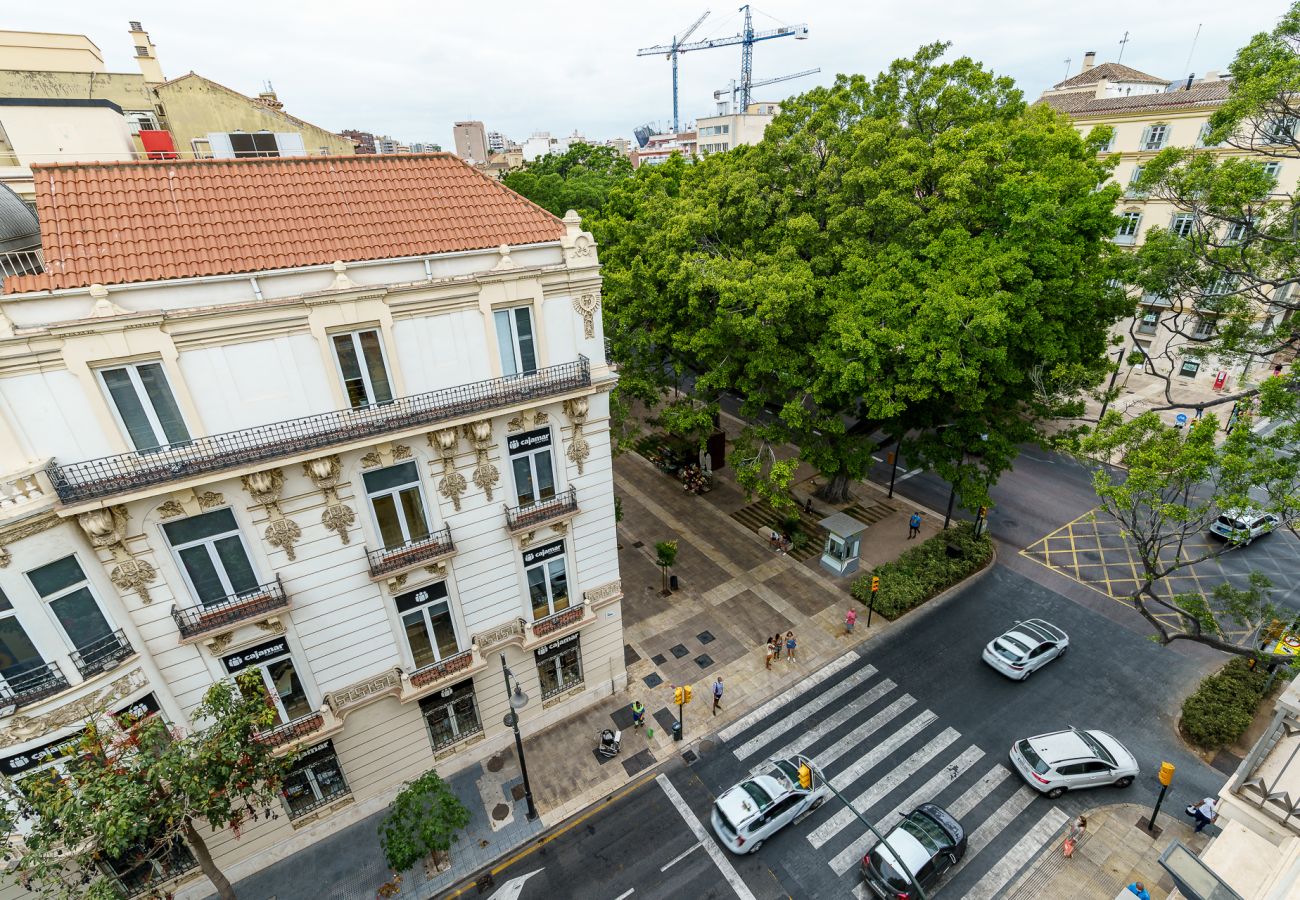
1084, 104
1111, 72
114, 223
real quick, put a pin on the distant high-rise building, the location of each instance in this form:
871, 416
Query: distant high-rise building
471, 141
364, 140
426, 147
386, 144
497, 142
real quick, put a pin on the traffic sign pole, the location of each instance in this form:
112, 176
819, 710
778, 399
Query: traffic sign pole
1166, 777
875, 588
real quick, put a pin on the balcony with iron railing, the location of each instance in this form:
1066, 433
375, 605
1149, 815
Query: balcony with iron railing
258, 603
102, 655
126, 472
21, 262
299, 728
390, 560
445, 669
31, 686
543, 512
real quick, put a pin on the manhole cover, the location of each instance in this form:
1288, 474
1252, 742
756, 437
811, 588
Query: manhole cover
495, 763
517, 792
689, 756
500, 811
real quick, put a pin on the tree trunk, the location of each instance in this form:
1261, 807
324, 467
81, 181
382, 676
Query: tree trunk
219, 881
836, 489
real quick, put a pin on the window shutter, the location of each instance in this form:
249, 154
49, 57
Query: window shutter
1146, 136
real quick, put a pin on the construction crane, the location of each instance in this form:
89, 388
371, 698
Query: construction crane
717, 95
746, 39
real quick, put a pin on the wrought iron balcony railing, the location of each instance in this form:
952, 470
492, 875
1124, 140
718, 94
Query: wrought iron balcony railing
523, 518
110, 475
560, 620
257, 603
291, 731
102, 655
452, 665
32, 686
387, 560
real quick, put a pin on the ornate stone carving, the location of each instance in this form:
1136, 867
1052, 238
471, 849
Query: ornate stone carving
272, 625
265, 487
371, 459
209, 499
526, 538
284, 533
219, 642
363, 692
579, 449
171, 509
338, 517
324, 472
397, 581
606, 591
27, 529
560, 528
541, 417
486, 476
104, 527
577, 409
586, 305
5, 558
438, 570
516, 424
452, 486
23, 728
500, 634
401, 451
134, 575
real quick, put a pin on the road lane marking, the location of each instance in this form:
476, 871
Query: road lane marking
679, 857
876, 754
628, 893
842, 715
716, 853
513, 888
881, 788
802, 712
978, 791
853, 853
992, 827
828, 756
798, 690
908, 475
1025, 849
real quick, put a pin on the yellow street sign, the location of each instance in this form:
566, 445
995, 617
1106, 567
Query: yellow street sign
1287, 645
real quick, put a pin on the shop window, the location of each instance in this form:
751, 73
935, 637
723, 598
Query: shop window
315, 780
515, 340
273, 660
212, 556
531, 466
397, 502
426, 621
559, 665
451, 715
143, 866
548, 580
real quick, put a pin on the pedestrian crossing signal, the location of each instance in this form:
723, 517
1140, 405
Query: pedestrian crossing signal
875, 583
805, 777
677, 696
686, 694
1166, 775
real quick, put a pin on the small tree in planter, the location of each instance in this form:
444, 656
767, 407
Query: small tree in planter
422, 822
666, 555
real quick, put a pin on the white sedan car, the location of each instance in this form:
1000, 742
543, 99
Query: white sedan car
1241, 526
1068, 760
1025, 648
749, 813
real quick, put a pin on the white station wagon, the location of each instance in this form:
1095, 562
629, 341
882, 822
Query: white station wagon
749, 813
1068, 760
1025, 648
1241, 526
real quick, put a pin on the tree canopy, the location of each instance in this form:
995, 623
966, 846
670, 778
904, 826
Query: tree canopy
921, 251
580, 178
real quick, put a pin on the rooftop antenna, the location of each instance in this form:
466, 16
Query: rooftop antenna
1187, 67
1068, 60
1123, 45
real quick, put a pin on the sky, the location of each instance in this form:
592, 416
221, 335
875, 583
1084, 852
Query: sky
412, 69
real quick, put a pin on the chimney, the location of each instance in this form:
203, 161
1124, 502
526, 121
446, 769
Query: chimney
146, 56
1089, 60
1190, 79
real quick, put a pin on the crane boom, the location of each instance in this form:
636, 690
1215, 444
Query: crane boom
717, 95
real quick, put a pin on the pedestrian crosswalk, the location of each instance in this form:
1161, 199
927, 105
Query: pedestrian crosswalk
887, 754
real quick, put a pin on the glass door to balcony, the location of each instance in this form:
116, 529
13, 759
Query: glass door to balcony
64, 587
18, 655
212, 556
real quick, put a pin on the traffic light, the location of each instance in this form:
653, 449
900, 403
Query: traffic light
1166, 774
875, 583
677, 696
805, 776
686, 696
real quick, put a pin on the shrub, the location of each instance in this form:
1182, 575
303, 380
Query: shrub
424, 818
1221, 708
925, 570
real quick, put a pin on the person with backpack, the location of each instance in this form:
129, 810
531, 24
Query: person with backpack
914, 525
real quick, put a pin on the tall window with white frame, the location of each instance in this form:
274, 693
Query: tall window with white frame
143, 404
363, 367
212, 556
515, 340
64, 588
274, 662
427, 623
548, 579
1128, 227
397, 501
19, 657
1182, 224
532, 466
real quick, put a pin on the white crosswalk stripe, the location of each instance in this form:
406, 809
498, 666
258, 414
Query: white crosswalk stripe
881, 788
802, 713
853, 853
765, 711
1011, 862
807, 738
972, 796
876, 754
992, 826
827, 757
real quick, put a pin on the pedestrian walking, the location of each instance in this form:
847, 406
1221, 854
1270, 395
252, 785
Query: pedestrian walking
771, 650
1204, 812
1076, 833
914, 525
850, 619
776, 646
717, 695
1139, 890
789, 646
638, 714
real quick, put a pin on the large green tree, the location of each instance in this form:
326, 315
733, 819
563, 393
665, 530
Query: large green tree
580, 178
1229, 269
921, 251
131, 795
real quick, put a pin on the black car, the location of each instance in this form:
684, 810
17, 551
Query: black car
928, 842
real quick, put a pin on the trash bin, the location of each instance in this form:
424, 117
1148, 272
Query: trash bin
677, 731
672, 582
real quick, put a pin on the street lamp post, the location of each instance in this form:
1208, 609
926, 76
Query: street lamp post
898, 446
518, 700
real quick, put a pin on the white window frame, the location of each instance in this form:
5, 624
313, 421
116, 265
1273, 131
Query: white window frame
423, 609
1130, 222
517, 360
1273, 169
47, 600
365, 369
544, 565
12, 612
1236, 232
1155, 136
267, 682
531, 456
1183, 224
210, 543
1222, 286
1204, 329
397, 504
151, 415
137, 119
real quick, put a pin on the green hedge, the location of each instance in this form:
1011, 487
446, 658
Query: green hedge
925, 570
1220, 710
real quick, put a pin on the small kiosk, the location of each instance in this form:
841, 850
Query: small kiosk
843, 543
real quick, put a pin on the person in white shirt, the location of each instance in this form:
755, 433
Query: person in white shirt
1205, 812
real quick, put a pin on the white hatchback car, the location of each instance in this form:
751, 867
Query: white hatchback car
1068, 760
1241, 526
1025, 648
749, 813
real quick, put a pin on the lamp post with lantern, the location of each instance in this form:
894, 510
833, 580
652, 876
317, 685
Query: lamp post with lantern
518, 700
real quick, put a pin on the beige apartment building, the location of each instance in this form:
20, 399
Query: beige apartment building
1147, 114
352, 433
471, 142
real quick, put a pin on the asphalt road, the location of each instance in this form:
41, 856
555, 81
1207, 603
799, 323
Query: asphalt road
934, 722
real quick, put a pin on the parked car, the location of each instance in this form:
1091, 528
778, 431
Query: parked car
1241, 526
1068, 760
927, 843
746, 815
1025, 648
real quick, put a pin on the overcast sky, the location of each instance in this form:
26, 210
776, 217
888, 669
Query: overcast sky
411, 69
